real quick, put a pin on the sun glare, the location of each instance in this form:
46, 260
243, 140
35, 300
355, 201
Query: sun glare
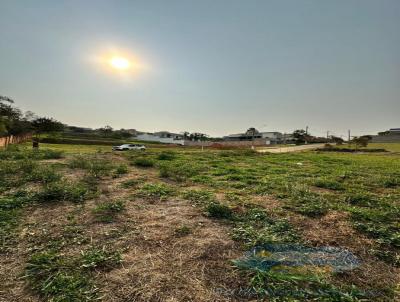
120, 63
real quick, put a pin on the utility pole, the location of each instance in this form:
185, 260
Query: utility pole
306, 130
349, 139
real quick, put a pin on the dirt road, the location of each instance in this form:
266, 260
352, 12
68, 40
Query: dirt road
290, 149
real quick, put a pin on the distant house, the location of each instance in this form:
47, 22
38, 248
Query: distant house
162, 137
270, 138
390, 136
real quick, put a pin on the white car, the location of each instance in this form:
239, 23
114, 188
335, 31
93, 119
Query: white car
129, 147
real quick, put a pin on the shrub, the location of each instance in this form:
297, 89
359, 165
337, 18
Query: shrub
108, 211
143, 162
220, 211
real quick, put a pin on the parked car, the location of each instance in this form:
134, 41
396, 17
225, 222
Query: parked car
125, 147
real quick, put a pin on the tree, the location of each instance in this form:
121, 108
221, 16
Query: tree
337, 140
10, 118
300, 136
45, 125
106, 130
361, 141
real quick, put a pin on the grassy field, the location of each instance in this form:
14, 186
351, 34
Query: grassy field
81, 223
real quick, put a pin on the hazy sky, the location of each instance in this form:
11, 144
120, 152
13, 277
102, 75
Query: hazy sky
213, 66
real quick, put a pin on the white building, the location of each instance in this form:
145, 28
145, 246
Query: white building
162, 137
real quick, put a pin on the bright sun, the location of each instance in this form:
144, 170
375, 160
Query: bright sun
120, 63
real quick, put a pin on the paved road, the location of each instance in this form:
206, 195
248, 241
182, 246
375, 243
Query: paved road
290, 149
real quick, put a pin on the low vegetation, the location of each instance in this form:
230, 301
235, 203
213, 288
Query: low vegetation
77, 214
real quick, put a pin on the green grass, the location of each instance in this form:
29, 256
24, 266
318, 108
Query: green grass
155, 191
230, 185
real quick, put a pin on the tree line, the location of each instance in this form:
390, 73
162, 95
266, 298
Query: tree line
14, 122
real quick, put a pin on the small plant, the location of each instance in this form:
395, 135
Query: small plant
130, 183
155, 191
220, 211
198, 196
54, 192
120, 170
58, 280
95, 166
326, 183
305, 202
359, 198
143, 162
108, 211
100, 258
183, 231
391, 182
178, 172
166, 155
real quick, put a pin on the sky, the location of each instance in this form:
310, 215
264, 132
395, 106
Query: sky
210, 66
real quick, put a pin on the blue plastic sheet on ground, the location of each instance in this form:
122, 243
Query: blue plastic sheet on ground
267, 256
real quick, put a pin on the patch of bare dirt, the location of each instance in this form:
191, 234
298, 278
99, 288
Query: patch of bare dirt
161, 266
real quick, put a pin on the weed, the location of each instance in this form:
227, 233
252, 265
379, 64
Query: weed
57, 279
359, 198
100, 258
95, 166
120, 170
291, 285
198, 196
155, 191
108, 211
220, 211
329, 184
130, 183
143, 162
166, 155
306, 202
61, 191
183, 231
178, 172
